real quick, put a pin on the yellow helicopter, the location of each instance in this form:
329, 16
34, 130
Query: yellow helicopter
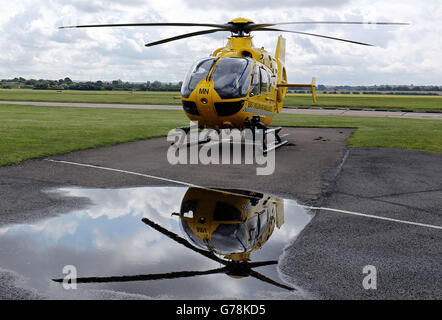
239, 85
230, 223
225, 226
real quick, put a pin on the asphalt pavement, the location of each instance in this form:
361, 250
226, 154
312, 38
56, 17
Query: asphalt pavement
316, 169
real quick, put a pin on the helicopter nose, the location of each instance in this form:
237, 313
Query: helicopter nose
204, 96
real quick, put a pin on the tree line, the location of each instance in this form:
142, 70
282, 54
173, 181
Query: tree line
386, 87
118, 85
68, 84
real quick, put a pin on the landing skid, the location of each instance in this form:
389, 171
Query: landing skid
257, 131
182, 142
277, 144
257, 126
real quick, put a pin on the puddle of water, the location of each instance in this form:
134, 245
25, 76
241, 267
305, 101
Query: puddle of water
181, 243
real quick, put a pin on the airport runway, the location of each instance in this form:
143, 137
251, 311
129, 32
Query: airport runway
328, 258
292, 110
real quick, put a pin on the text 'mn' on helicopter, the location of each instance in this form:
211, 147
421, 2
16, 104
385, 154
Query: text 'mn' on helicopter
239, 85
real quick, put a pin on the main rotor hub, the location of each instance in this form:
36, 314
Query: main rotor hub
240, 27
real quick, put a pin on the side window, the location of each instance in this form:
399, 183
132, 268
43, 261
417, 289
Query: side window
263, 221
253, 226
254, 86
269, 76
264, 80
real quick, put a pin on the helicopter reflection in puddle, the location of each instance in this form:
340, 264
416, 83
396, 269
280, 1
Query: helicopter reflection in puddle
226, 226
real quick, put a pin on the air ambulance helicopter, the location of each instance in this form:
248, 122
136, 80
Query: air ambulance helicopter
226, 226
239, 85
230, 223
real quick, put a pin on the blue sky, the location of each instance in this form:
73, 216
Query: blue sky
31, 46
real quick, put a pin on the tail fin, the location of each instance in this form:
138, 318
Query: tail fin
280, 49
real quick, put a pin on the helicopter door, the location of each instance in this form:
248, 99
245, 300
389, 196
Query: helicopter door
264, 81
254, 86
253, 228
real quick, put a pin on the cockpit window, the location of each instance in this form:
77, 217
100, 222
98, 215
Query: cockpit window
188, 206
230, 238
226, 212
263, 221
254, 86
231, 77
253, 226
199, 71
264, 81
192, 236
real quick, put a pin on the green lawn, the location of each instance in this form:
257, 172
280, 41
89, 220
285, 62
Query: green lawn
423, 135
362, 101
121, 97
30, 132
388, 102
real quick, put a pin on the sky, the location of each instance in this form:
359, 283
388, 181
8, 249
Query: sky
31, 45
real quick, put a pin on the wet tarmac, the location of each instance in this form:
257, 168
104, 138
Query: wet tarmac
325, 262
157, 243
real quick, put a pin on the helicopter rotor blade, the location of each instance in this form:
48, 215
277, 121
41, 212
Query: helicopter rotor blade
262, 263
235, 28
263, 278
264, 25
183, 36
183, 241
315, 35
155, 24
146, 277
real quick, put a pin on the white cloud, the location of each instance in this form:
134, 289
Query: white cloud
115, 203
233, 4
32, 46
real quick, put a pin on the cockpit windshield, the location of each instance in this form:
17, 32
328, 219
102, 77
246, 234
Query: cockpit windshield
192, 236
229, 238
199, 71
231, 77
226, 239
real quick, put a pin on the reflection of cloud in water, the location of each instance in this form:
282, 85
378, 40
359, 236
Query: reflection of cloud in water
114, 203
109, 239
52, 229
55, 230
144, 247
297, 218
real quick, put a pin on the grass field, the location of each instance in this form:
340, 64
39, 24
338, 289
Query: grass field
423, 135
29, 132
383, 102
121, 97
